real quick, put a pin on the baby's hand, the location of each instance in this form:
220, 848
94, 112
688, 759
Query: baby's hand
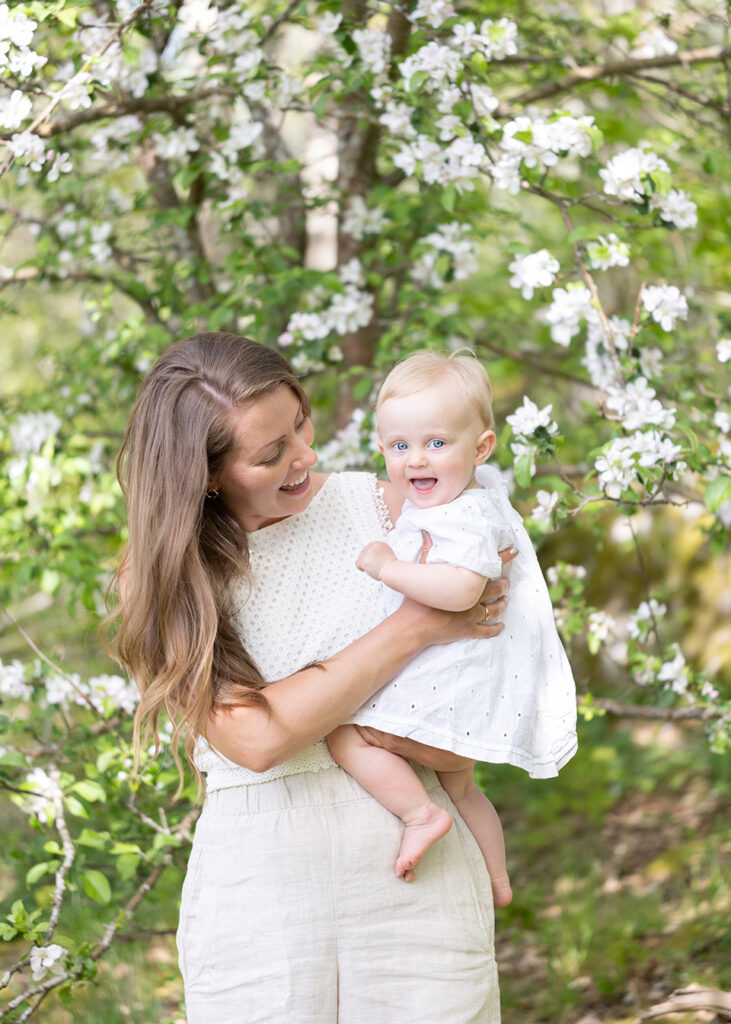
374, 557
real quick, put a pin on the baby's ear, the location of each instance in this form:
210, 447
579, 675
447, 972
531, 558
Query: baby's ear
485, 447
380, 447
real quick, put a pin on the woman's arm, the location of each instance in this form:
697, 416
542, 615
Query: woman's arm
304, 707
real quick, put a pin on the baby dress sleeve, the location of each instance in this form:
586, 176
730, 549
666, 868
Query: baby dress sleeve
464, 533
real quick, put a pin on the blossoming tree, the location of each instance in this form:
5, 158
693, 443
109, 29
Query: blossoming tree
349, 181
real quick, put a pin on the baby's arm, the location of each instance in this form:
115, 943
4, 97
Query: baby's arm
438, 585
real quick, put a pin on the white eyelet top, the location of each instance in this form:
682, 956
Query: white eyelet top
306, 601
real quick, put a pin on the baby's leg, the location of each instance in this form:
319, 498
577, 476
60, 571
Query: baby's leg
483, 822
394, 783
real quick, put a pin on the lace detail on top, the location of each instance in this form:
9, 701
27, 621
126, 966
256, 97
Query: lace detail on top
384, 516
305, 602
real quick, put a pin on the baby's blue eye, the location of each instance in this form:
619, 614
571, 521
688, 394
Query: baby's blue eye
400, 446
436, 443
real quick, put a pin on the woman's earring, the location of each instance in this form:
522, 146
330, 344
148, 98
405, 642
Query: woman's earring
212, 494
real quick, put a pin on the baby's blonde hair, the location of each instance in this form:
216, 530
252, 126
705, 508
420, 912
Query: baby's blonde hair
426, 368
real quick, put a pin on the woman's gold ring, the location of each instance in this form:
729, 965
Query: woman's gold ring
487, 613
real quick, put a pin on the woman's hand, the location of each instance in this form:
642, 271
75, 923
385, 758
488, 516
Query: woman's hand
433, 626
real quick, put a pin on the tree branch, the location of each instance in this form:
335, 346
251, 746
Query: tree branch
691, 1000
80, 76
593, 72
652, 713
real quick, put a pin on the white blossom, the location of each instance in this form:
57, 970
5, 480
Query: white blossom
351, 448
499, 38
597, 356
441, 63
546, 504
535, 270
484, 99
616, 468
637, 406
64, 690
723, 350
569, 307
625, 174
350, 310
722, 420
177, 144
600, 625
653, 42
12, 681
328, 23
449, 125
310, 326
39, 801
14, 109
528, 418
123, 693
675, 673
424, 270
651, 362
608, 252
75, 93
666, 304
466, 38
454, 239
397, 119
434, 12
46, 958
15, 27
28, 146
676, 208
618, 462
61, 165
16, 34
373, 47
352, 272
197, 16
360, 221
641, 622
30, 431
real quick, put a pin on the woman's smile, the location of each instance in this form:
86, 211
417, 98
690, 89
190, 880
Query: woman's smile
266, 476
298, 486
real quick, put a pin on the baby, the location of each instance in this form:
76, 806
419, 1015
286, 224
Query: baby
510, 700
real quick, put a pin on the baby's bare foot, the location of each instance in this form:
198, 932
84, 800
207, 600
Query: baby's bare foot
422, 831
502, 894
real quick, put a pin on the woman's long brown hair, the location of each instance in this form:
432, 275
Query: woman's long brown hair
173, 633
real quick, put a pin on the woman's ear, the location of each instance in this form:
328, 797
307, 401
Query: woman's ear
485, 447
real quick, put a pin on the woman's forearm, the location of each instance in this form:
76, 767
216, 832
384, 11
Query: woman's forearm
304, 707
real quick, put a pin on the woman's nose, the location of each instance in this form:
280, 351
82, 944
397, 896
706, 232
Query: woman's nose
305, 457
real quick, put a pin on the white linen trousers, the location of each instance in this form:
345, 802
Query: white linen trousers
290, 911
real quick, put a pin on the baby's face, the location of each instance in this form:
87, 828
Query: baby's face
432, 441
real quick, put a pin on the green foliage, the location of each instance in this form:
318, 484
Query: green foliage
200, 197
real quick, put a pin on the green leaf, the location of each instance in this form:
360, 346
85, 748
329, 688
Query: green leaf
96, 886
521, 469
39, 870
127, 865
90, 790
717, 492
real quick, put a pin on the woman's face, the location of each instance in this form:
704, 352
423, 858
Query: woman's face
265, 477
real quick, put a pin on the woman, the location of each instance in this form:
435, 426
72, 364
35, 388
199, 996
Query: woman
240, 570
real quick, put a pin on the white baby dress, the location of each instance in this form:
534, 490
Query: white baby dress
510, 699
